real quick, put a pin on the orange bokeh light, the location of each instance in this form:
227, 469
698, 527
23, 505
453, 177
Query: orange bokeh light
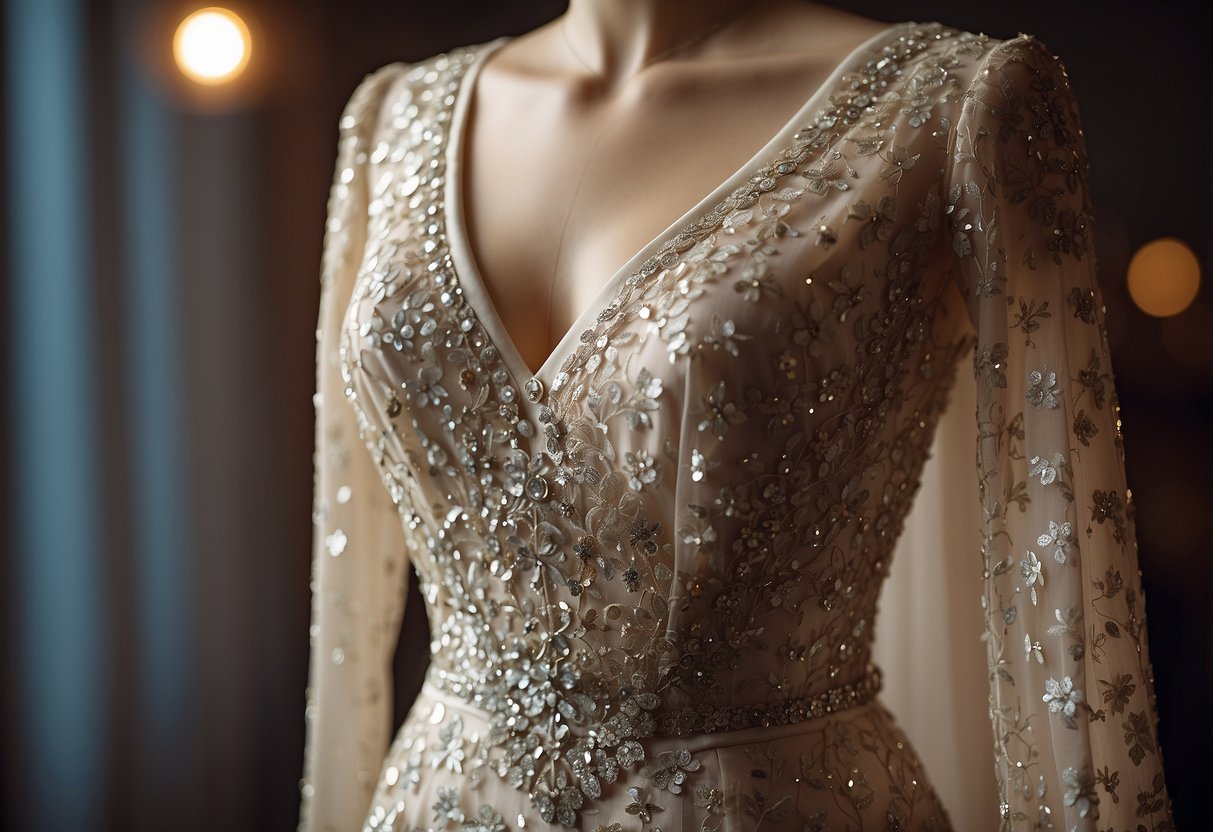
1164, 277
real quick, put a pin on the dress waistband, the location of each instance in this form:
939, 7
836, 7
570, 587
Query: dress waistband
712, 719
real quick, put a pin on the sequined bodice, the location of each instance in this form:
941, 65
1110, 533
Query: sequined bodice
681, 524
583, 549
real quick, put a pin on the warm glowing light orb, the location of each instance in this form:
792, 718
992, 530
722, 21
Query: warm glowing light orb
212, 45
1164, 277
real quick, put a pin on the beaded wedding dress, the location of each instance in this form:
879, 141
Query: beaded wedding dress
651, 569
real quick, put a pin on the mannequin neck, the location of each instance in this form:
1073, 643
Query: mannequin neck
618, 38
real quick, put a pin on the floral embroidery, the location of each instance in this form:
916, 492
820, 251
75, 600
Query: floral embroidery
1069, 623
446, 808
1033, 575
1085, 428
1064, 699
486, 821
1107, 505
1029, 319
641, 807
1047, 470
1042, 388
719, 414
449, 754
1060, 537
642, 468
1080, 792
1032, 649
1118, 693
1138, 736
989, 363
669, 770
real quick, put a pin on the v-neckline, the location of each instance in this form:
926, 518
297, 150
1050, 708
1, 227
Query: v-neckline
467, 273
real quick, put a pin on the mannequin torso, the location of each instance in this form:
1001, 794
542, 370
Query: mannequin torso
650, 146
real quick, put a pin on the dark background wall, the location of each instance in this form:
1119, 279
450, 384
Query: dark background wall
160, 297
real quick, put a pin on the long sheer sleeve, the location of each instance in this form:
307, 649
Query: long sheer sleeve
359, 566
1071, 687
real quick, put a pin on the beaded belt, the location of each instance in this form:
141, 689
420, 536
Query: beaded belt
711, 719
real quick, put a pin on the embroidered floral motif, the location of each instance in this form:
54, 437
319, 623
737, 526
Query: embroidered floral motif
1060, 537
1033, 576
1042, 388
1047, 470
1063, 699
1080, 792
